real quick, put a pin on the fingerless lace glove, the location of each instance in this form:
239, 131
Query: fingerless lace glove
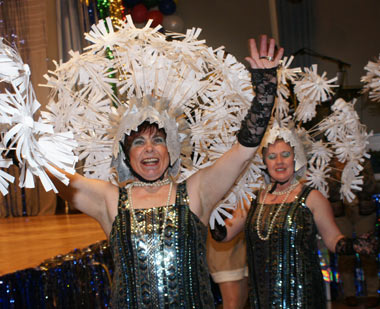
255, 122
366, 244
345, 246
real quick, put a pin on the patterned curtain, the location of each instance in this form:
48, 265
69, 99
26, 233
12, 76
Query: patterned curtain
71, 24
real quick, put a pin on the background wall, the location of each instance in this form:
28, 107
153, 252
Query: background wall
227, 23
347, 30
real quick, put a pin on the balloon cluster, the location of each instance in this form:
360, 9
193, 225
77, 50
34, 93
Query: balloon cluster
160, 11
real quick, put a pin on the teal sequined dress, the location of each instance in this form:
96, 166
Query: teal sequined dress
156, 268
284, 270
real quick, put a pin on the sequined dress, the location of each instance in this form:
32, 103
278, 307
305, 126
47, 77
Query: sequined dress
284, 270
156, 269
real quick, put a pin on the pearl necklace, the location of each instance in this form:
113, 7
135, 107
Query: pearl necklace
157, 183
287, 191
290, 188
163, 182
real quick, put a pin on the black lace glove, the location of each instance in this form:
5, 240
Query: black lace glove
345, 246
366, 244
255, 122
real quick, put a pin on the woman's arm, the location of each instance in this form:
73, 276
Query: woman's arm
96, 198
324, 219
334, 240
209, 185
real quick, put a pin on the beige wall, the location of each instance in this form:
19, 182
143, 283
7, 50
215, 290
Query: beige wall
344, 29
348, 30
227, 23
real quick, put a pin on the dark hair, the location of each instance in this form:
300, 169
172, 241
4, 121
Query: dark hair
146, 126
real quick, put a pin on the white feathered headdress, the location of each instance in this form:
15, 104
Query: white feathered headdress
372, 79
340, 134
37, 147
199, 95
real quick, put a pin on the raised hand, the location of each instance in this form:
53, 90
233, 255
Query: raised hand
265, 58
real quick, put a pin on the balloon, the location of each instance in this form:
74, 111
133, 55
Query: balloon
156, 16
150, 3
167, 7
131, 3
173, 23
139, 13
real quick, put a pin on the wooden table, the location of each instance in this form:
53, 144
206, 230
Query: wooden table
28, 241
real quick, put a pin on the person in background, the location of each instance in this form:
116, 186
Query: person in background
228, 268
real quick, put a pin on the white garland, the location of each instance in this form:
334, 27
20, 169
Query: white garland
92, 90
37, 147
211, 88
372, 79
346, 137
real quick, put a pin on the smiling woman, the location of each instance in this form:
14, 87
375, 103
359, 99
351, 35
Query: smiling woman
281, 227
147, 153
160, 149
155, 222
279, 159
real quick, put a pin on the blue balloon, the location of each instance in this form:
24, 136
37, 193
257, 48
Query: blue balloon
167, 7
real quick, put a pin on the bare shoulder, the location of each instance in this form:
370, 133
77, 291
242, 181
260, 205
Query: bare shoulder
316, 201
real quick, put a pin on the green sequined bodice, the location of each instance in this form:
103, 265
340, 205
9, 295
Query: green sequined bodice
156, 268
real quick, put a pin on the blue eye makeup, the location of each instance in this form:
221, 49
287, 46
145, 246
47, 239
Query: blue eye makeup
159, 140
285, 154
138, 141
